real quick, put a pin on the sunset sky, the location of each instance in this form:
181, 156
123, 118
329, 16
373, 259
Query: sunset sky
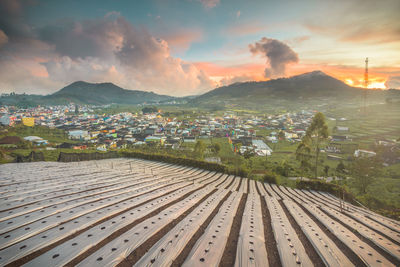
185, 47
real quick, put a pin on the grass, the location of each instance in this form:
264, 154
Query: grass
380, 122
51, 135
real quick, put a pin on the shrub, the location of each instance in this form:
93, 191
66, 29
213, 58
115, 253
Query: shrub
321, 185
211, 166
270, 177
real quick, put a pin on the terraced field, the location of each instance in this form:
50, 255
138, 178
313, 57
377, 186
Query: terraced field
141, 213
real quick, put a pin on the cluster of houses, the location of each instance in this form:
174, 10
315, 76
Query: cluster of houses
244, 132
127, 129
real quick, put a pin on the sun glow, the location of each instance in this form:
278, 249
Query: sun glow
349, 82
374, 83
377, 85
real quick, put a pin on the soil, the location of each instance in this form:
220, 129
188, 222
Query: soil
270, 242
138, 253
189, 246
229, 255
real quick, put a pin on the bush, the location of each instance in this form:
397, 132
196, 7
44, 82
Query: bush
238, 171
321, 185
270, 177
211, 166
380, 206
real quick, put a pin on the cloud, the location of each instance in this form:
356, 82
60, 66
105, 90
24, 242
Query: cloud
278, 55
235, 79
12, 21
107, 49
3, 38
393, 82
180, 40
298, 40
370, 21
209, 3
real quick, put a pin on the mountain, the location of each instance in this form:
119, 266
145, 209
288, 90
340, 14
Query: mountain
102, 93
312, 84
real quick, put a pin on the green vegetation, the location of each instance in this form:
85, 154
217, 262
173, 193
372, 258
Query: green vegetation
199, 149
150, 109
52, 135
270, 177
316, 133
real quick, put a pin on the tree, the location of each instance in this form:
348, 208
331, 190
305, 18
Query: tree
364, 170
326, 170
151, 109
281, 135
199, 149
316, 133
303, 155
340, 168
248, 154
217, 148
284, 168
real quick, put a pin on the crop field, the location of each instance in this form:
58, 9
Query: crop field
130, 212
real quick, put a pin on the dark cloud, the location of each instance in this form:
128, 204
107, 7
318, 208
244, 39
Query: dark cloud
12, 21
277, 53
393, 82
108, 49
3, 38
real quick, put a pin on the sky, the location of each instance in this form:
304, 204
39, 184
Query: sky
188, 47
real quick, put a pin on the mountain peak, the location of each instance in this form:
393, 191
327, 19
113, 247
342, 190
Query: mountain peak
314, 73
306, 85
104, 93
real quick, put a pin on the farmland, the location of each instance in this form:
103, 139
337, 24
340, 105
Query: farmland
126, 212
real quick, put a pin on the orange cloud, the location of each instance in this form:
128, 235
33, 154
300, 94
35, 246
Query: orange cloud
214, 70
182, 39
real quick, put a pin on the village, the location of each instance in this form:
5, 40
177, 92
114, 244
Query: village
246, 133
127, 129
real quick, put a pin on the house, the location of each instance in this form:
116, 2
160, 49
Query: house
341, 129
364, 153
79, 135
261, 148
82, 147
154, 139
189, 139
150, 130
28, 121
340, 138
102, 147
6, 120
334, 157
36, 139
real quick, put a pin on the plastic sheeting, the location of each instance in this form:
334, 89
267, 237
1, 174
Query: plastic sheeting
210, 246
251, 250
290, 248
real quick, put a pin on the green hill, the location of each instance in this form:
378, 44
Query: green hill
308, 89
313, 84
102, 93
